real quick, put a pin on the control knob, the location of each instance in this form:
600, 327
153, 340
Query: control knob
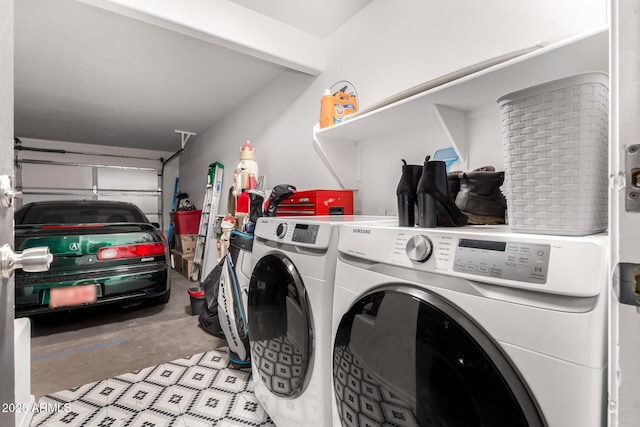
419, 248
281, 231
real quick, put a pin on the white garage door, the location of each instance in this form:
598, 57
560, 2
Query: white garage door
91, 178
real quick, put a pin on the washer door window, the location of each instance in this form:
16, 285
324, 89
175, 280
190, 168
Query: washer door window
406, 357
280, 326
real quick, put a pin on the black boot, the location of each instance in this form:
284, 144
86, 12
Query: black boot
406, 193
480, 197
434, 204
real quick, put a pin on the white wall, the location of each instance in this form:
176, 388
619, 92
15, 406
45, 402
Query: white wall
388, 47
278, 121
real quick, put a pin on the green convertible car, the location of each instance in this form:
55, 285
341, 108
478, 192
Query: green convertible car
103, 252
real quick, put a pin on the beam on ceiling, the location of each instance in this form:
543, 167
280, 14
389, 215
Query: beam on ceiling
230, 25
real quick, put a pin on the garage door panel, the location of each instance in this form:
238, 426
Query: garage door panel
153, 217
147, 204
59, 179
119, 179
28, 198
56, 176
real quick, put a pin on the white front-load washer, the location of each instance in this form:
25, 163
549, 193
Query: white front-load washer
473, 326
289, 315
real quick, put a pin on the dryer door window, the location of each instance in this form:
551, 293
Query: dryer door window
280, 326
407, 357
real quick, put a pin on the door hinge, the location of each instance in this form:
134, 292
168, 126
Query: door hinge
632, 178
626, 283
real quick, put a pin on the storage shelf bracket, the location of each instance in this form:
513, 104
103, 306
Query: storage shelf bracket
341, 157
454, 124
185, 135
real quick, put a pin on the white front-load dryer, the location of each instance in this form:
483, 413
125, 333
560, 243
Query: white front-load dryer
473, 326
289, 315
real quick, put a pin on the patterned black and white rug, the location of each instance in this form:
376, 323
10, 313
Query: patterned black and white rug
201, 390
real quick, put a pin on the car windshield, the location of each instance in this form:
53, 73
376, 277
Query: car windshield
81, 213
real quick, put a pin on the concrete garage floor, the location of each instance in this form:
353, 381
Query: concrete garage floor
77, 347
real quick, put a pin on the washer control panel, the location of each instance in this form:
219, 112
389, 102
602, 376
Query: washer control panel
419, 248
525, 262
305, 233
295, 231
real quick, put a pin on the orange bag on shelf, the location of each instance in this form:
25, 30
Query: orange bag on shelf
333, 107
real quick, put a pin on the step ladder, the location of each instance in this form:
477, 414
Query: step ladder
206, 241
173, 209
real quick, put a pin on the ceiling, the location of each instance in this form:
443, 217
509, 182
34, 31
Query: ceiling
320, 18
95, 72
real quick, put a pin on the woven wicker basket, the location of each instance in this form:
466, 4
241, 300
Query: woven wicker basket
555, 139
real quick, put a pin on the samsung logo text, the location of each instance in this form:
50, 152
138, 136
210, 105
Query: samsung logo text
360, 231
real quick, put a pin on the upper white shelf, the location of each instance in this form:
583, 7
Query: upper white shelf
448, 103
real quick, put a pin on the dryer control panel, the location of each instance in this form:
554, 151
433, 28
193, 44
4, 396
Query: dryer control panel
525, 262
565, 265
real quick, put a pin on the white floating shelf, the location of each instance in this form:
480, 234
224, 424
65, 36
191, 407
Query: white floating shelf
449, 103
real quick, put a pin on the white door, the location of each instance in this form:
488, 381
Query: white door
7, 385
38, 258
624, 375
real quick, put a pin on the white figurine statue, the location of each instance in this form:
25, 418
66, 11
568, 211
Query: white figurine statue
245, 178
